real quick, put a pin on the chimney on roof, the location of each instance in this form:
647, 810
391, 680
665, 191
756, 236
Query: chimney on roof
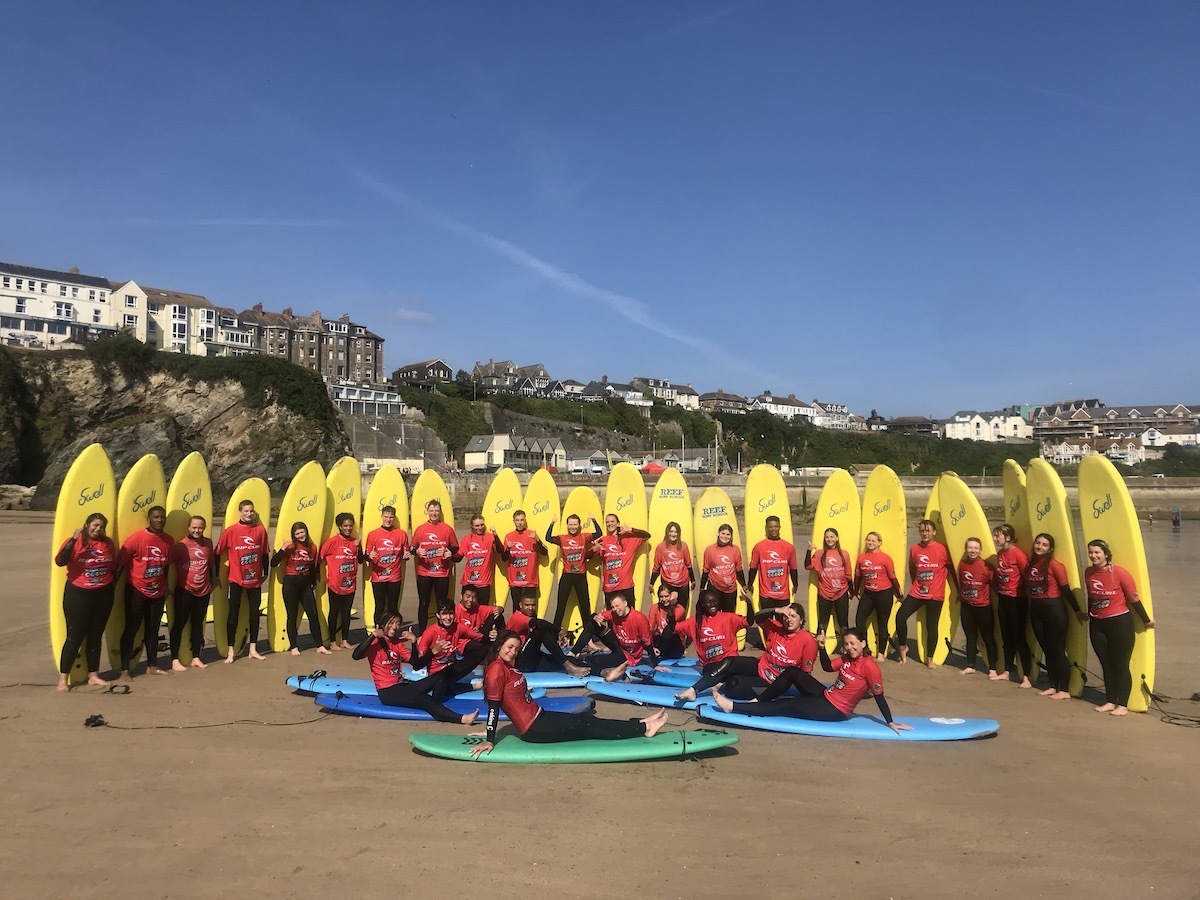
74, 270
604, 379
287, 311
257, 307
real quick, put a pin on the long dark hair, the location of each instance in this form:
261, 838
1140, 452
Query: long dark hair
837, 545
494, 651
308, 543
1049, 539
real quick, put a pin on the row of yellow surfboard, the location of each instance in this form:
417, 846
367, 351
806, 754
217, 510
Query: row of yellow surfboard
1033, 502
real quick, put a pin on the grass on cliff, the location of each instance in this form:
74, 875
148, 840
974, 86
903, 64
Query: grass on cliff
263, 378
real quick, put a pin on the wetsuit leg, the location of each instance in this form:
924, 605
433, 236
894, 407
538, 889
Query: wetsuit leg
987, 633
669, 646
933, 621
553, 727
1113, 641
793, 677
684, 595
77, 604
879, 604
100, 609
816, 709
1049, 619
135, 614
728, 600
387, 598
254, 598
308, 599
715, 673
970, 627
236, 592
293, 585
152, 621
841, 612
907, 607
183, 616
199, 612
824, 611
415, 695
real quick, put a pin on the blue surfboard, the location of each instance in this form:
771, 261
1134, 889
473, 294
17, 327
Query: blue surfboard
369, 706
682, 677
648, 694
857, 726
326, 685
533, 679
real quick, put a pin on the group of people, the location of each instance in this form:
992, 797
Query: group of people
1013, 588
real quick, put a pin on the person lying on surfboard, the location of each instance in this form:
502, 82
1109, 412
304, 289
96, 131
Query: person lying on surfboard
857, 676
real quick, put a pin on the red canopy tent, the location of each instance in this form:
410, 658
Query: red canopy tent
653, 468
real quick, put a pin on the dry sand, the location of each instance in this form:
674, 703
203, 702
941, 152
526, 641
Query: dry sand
1063, 803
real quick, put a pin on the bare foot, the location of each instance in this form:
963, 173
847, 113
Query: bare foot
577, 670
1025, 683
324, 651
1061, 695
335, 646
903, 655
615, 673
94, 678
931, 665
254, 654
469, 718
155, 670
967, 671
1107, 707
1119, 711
295, 651
721, 700
197, 664
346, 645
687, 695
1046, 693
62, 687
177, 666
229, 656
125, 677
655, 722
996, 676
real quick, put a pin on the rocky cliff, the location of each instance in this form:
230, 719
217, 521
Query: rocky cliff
53, 404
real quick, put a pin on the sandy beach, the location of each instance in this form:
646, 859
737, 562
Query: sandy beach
1063, 803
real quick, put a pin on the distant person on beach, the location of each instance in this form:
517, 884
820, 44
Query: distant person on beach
1176, 519
576, 550
506, 690
478, 550
1046, 582
245, 543
90, 558
618, 548
145, 558
298, 556
522, 550
435, 546
673, 564
721, 570
386, 549
1012, 603
341, 555
876, 585
834, 576
976, 585
195, 562
928, 571
1111, 594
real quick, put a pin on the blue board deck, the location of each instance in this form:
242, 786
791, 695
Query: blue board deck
326, 685
647, 694
370, 707
857, 726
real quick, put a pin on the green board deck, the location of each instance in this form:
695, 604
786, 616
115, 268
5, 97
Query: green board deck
511, 749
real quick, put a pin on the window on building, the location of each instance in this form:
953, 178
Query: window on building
206, 334
56, 328
20, 283
97, 317
179, 313
312, 351
62, 290
74, 292
7, 281
103, 297
9, 322
179, 331
228, 322
130, 301
208, 315
64, 311
92, 296
341, 355
369, 358
153, 307
20, 304
34, 325
43, 287
130, 321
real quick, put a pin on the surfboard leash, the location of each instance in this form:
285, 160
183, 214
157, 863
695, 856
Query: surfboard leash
98, 721
1156, 700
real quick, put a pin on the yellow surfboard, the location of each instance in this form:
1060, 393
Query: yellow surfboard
88, 488
1049, 511
948, 620
430, 486
1016, 514
256, 491
1107, 514
343, 494
190, 494
387, 489
144, 487
962, 519
670, 502
766, 495
885, 512
305, 502
712, 510
541, 508
839, 507
503, 498
582, 502
625, 497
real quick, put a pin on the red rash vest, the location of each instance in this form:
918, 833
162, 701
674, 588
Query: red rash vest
929, 565
386, 659
248, 552
1010, 564
671, 564
91, 563
430, 542
633, 634
478, 558
505, 685
522, 547
876, 571
715, 636
193, 561
856, 678
798, 648
576, 550
975, 579
340, 556
148, 555
723, 565
618, 552
1045, 579
1110, 590
391, 545
833, 570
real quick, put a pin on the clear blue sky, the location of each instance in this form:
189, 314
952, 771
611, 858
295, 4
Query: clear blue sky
914, 207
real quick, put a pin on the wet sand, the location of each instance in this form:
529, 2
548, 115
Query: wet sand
1063, 803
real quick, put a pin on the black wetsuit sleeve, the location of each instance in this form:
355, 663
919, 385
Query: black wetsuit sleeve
362, 557
807, 558
360, 652
550, 532
493, 719
1069, 595
63, 556
826, 662
884, 709
597, 533
741, 579
277, 557
795, 579
703, 581
691, 574
1140, 609
749, 583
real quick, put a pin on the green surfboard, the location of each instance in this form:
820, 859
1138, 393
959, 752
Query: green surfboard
511, 749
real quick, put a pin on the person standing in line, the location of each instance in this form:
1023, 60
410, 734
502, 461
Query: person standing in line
572, 575
521, 551
618, 548
387, 550
673, 564
1112, 593
976, 580
145, 558
435, 546
245, 543
876, 585
834, 582
341, 556
721, 570
195, 562
1046, 581
478, 550
928, 570
1012, 603
299, 558
90, 558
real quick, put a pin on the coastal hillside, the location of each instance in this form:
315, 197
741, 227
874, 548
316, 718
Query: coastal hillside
249, 416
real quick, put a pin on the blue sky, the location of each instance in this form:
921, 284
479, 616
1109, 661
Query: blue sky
912, 207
